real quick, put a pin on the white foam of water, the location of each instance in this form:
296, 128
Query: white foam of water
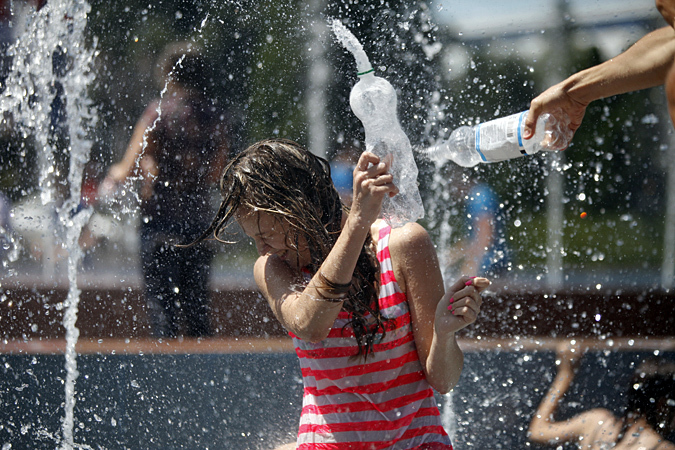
349, 41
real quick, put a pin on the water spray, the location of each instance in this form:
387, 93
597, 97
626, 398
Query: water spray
373, 101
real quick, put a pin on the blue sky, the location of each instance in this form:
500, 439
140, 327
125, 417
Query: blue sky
475, 17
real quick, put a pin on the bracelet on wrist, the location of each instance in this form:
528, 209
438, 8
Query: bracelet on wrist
340, 290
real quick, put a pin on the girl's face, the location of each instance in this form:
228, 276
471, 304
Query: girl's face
272, 236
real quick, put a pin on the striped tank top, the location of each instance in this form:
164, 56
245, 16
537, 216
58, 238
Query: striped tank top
382, 403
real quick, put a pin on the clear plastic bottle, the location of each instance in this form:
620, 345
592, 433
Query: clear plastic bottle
373, 101
502, 139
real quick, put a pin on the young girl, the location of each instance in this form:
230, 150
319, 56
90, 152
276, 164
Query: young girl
364, 303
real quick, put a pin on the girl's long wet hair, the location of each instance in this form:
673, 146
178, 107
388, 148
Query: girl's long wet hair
279, 177
651, 394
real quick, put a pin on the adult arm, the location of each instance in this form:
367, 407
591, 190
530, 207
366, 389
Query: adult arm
138, 147
434, 324
643, 65
303, 310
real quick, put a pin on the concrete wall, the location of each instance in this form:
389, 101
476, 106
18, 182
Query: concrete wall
32, 312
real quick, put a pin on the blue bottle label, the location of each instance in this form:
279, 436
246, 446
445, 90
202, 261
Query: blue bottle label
501, 139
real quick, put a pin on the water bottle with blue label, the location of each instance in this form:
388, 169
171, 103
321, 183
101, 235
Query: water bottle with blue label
502, 139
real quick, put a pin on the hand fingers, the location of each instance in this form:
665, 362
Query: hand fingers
536, 109
372, 163
531, 120
466, 302
461, 283
382, 186
366, 160
467, 297
377, 170
479, 283
468, 308
370, 167
374, 173
376, 177
381, 180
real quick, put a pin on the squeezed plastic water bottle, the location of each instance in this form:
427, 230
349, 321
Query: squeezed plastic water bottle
373, 100
502, 139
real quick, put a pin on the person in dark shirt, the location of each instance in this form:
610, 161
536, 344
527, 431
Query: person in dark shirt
177, 151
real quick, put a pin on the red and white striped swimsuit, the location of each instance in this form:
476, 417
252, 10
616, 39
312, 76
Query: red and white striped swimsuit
382, 403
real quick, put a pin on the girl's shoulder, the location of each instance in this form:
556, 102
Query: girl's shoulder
411, 249
408, 241
405, 241
600, 424
411, 237
411, 232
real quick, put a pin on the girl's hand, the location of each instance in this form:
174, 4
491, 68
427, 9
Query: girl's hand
460, 306
372, 182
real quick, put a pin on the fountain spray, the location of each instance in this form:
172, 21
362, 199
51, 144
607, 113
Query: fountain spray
46, 73
373, 101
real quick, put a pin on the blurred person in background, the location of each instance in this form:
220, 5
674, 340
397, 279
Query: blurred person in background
177, 150
483, 249
649, 415
342, 172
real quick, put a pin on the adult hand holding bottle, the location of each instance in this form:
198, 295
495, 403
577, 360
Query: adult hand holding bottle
646, 64
558, 101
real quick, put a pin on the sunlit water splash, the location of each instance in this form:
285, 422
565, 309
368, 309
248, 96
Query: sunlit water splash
349, 41
51, 65
35, 81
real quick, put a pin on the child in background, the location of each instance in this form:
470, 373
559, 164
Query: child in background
649, 415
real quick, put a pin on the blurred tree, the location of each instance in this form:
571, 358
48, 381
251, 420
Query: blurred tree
277, 73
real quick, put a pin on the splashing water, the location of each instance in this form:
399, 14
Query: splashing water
36, 76
373, 101
42, 78
349, 41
